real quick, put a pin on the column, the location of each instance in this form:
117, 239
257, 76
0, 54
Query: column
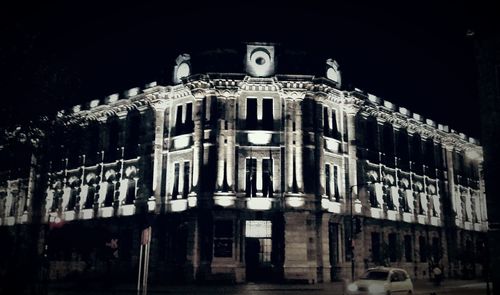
230, 137
159, 109
319, 150
481, 198
220, 158
351, 112
289, 144
298, 146
197, 140
451, 179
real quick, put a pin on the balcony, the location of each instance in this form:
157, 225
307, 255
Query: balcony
294, 200
259, 203
408, 217
182, 141
334, 206
258, 137
435, 220
178, 205
332, 145
392, 215
224, 199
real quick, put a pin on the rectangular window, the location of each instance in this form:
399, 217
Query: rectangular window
133, 134
335, 129
223, 238
72, 199
178, 121
408, 248
416, 153
371, 134
388, 145
251, 122
93, 146
436, 249
130, 197
89, 202
386, 190
336, 183
372, 196
402, 149
110, 194
393, 245
328, 191
251, 181
258, 229
189, 124
265, 250
267, 177
186, 187
267, 114
344, 122
429, 154
164, 176
175, 190
422, 245
334, 243
113, 130
376, 247
326, 122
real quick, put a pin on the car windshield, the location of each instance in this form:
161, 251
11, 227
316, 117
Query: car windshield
378, 275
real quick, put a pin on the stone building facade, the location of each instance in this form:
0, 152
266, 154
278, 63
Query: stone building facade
249, 177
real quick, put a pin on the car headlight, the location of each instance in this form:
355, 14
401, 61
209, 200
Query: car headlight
375, 289
352, 287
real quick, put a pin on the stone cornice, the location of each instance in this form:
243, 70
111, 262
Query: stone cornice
293, 94
229, 92
179, 91
259, 84
296, 88
100, 113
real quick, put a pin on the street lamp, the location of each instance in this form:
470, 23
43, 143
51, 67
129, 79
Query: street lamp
351, 228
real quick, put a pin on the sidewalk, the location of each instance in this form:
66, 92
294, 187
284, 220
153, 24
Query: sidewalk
426, 286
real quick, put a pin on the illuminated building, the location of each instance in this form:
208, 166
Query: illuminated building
248, 177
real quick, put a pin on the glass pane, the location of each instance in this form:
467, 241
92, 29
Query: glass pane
258, 229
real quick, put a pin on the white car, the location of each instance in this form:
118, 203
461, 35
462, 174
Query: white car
382, 280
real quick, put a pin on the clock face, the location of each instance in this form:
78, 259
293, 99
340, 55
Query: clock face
260, 61
332, 74
183, 70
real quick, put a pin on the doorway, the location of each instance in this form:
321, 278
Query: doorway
258, 249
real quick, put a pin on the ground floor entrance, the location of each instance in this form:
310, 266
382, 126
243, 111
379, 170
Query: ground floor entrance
258, 250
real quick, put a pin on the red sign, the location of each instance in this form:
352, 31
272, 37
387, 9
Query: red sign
146, 236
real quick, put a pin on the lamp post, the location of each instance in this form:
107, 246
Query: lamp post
351, 227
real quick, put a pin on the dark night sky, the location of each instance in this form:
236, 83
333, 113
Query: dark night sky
417, 55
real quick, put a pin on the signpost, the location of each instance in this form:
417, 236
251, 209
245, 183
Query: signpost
142, 277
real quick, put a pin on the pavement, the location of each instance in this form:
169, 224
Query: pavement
420, 287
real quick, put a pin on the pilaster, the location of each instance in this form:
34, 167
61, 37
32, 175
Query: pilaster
351, 112
159, 111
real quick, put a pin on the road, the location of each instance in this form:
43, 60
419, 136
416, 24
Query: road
455, 287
